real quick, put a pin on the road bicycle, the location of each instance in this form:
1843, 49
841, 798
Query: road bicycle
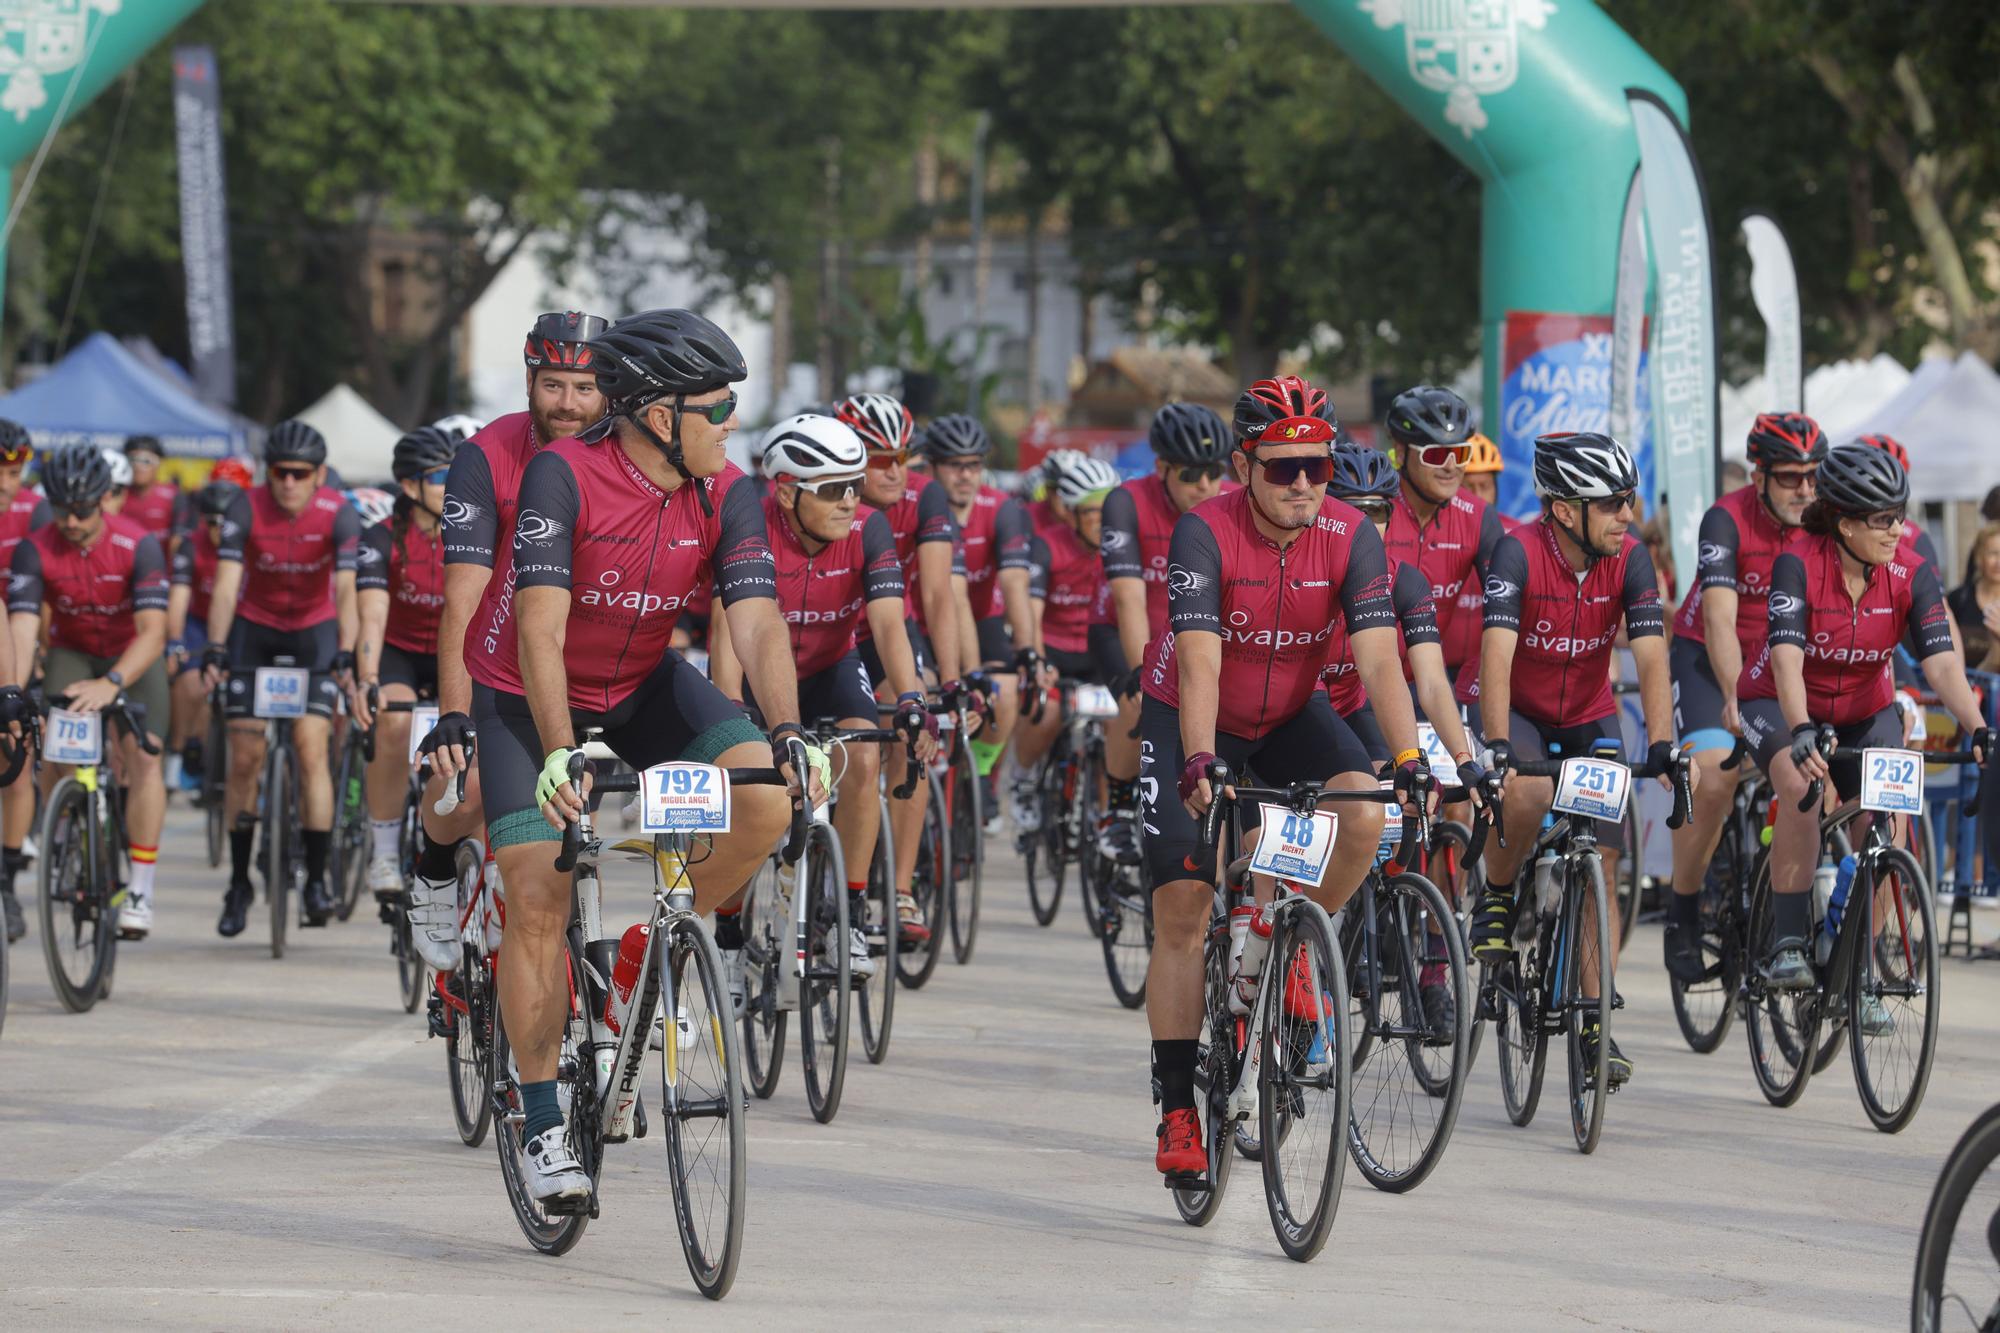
613, 1012
1705, 1006
464, 1004
411, 970
215, 777
353, 841
278, 697
964, 820
1066, 792
1957, 1283
16, 755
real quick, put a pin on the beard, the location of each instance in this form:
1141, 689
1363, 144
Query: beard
558, 425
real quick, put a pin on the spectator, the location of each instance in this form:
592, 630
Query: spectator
1989, 509
1735, 476
1976, 602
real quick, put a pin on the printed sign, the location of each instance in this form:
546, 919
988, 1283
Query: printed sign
1094, 701
1558, 377
73, 738
684, 798
423, 721
281, 692
1294, 846
1593, 788
1892, 781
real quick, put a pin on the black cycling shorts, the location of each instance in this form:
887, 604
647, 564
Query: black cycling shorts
1368, 731
1764, 727
252, 645
1697, 697
400, 666
920, 645
996, 642
1313, 746
1537, 740
676, 714
840, 692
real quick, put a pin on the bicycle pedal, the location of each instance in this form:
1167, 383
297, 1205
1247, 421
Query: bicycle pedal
639, 1125
1187, 1183
571, 1207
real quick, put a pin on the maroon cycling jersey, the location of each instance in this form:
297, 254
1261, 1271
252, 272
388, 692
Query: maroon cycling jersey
1568, 622
1452, 551
1076, 595
630, 555
1276, 607
922, 515
1848, 642
92, 592
193, 568
481, 496
994, 536
1738, 542
411, 570
825, 596
27, 511
162, 509
1416, 617
1139, 519
289, 559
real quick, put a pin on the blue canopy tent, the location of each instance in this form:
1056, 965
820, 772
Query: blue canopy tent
100, 393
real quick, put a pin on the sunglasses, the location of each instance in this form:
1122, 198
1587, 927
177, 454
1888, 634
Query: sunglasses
1201, 472
1282, 472
714, 413
1888, 520
1791, 481
1442, 455
883, 462
437, 476
78, 511
293, 473
833, 492
1374, 508
1612, 504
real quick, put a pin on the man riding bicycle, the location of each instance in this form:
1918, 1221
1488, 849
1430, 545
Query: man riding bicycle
156, 505
21, 512
614, 530
284, 587
1256, 581
191, 572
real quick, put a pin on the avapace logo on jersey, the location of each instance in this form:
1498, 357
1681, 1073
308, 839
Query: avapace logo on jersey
1566, 645
609, 596
1278, 641
838, 616
1786, 604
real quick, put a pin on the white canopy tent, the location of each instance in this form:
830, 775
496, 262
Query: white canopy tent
358, 438
1948, 417
1839, 395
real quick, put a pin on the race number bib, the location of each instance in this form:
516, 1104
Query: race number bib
281, 692
1892, 781
1593, 788
1094, 701
1438, 755
684, 798
73, 738
423, 721
1294, 846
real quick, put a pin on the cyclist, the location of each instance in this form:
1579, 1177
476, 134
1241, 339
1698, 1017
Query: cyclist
1915, 540
192, 575
1720, 625
1482, 476
101, 583
1841, 599
1555, 597
284, 587
157, 505
614, 529
836, 566
1191, 447
121, 480
399, 585
1257, 579
481, 503
21, 511
919, 514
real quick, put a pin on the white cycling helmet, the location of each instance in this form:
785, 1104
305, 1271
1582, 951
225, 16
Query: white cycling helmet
372, 504
121, 466
464, 427
813, 448
1083, 478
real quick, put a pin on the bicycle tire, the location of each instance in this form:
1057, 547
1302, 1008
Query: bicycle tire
764, 952
1288, 1099
1215, 1069
1461, 881
553, 1234
1703, 1009
1631, 884
1589, 1084
277, 834
6, 978
469, 1049
967, 823
1519, 1038
1092, 870
1127, 937
694, 977
1783, 1026
825, 1007
1971, 1157
72, 903
1046, 889
877, 994
353, 838
1904, 976
930, 884
214, 775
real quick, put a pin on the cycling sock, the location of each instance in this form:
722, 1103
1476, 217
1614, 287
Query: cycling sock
1124, 792
985, 754
241, 842
12, 863
1684, 911
144, 861
388, 832
317, 842
540, 1109
438, 861
1173, 1074
1791, 915
728, 929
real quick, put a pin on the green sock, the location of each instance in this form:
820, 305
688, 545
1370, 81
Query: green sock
985, 754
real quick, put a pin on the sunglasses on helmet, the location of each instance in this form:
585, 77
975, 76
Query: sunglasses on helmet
18, 454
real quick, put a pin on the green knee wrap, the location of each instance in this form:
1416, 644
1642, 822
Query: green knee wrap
985, 755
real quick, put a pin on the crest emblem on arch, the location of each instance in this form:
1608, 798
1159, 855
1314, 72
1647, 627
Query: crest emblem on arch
1464, 49
38, 40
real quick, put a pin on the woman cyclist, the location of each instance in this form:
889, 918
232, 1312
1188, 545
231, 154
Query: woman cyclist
1841, 601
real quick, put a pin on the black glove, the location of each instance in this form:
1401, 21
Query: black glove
215, 655
979, 683
1026, 659
1127, 685
1805, 743
343, 663
14, 705
451, 729
1660, 757
913, 719
1413, 779
1982, 745
1472, 775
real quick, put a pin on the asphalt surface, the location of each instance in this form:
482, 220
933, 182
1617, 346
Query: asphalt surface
235, 1142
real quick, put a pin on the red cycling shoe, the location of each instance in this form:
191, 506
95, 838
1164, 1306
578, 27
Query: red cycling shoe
1180, 1152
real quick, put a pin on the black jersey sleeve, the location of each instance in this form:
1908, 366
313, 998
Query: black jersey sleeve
743, 563
1120, 543
1930, 622
371, 562
881, 569
1038, 567
346, 537
545, 526
1719, 541
934, 520
1506, 578
149, 575
1013, 531
1645, 617
182, 520
1491, 530
1788, 611
1415, 610
181, 575
471, 511
235, 529
1194, 577
24, 580
43, 514
1365, 596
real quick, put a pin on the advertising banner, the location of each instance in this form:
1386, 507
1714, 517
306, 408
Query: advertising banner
1774, 286
204, 223
1628, 317
1556, 375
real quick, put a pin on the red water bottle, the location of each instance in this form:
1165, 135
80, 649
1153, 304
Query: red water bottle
625, 975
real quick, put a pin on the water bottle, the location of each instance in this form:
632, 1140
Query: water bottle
1250, 961
599, 961
1822, 897
625, 974
1836, 905
1547, 892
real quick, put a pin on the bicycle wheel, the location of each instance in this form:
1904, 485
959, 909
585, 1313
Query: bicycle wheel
1513, 992
551, 1233
468, 1054
1408, 1088
1955, 1269
279, 793
931, 884
1587, 953
880, 928
347, 855
1461, 879
701, 1086
1631, 883
214, 772
1304, 1101
967, 823
1127, 936
1046, 864
1704, 1007
1783, 1026
4, 979
1216, 1069
829, 982
765, 932
79, 926
1892, 1063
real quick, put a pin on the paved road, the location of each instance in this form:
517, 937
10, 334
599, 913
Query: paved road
232, 1142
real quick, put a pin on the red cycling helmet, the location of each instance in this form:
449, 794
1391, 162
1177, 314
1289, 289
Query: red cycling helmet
1786, 437
560, 340
232, 469
1889, 445
1286, 400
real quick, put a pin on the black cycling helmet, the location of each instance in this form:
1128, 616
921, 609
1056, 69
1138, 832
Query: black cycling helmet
16, 445
1861, 479
560, 340
422, 450
1363, 473
214, 499
647, 356
1189, 434
1582, 465
145, 444
1428, 414
76, 476
294, 442
1785, 437
956, 436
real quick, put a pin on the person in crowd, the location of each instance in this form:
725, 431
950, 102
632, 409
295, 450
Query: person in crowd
1735, 475
1976, 602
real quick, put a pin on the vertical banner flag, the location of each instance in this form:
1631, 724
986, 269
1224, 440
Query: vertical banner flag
1628, 318
1686, 411
1555, 374
204, 223
1774, 286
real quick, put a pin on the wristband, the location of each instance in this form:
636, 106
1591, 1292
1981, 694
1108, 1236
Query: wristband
783, 729
1407, 755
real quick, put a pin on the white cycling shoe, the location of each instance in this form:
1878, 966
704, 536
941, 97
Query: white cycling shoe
555, 1177
385, 877
860, 964
135, 916
736, 979
434, 921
